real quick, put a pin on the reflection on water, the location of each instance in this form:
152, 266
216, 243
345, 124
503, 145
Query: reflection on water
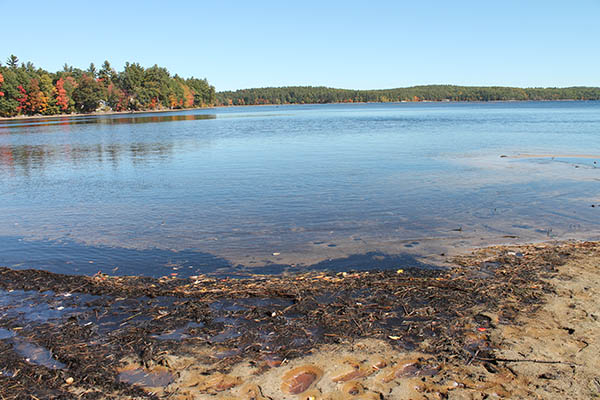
293, 186
28, 157
102, 119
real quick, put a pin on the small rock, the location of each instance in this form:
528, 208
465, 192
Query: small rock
404, 368
217, 383
352, 388
299, 379
69, 380
379, 363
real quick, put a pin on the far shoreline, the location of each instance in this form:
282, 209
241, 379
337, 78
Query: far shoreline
109, 113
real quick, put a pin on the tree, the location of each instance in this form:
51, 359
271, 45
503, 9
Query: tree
70, 85
87, 94
106, 74
29, 67
92, 70
62, 100
49, 92
38, 102
130, 81
188, 96
1, 82
12, 61
8, 102
23, 100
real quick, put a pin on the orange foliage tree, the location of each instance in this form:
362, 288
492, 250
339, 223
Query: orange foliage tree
189, 96
61, 95
38, 102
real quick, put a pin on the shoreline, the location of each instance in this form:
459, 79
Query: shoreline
108, 113
96, 114
503, 321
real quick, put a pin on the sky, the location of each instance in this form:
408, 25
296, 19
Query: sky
344, 44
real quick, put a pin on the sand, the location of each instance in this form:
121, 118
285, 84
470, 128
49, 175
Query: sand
540, 340
553, 353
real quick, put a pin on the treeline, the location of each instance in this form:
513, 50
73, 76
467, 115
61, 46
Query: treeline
309, 94
27, 90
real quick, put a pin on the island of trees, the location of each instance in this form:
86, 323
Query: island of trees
27, 90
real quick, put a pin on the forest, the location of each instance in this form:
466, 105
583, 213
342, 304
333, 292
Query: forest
27, 90
308, 94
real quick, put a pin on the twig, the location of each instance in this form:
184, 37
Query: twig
527, 360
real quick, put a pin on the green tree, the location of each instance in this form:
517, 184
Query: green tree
12, 61
91, 71
130, 81
87, 95
107, 74
8, 102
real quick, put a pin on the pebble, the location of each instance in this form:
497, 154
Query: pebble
348, 376
299, 379
352, 388
404, 368
223, 382
379, 363
69, 380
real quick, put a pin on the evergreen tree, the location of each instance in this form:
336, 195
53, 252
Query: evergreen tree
12, 61
87, 95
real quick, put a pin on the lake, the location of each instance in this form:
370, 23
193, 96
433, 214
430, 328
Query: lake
273, 189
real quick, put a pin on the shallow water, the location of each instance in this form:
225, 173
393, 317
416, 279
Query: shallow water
232, 191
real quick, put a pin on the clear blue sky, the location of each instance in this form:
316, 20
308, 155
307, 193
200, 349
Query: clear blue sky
347, 44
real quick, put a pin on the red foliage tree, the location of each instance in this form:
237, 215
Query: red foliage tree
61, 95
24, 104
1, 82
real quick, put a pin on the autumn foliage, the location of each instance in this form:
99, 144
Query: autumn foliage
38, 101
61, 95
23, 100
26, 90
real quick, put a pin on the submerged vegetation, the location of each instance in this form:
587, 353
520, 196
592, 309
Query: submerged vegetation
27, 90
309, 94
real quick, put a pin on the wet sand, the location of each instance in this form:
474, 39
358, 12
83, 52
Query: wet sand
501, 322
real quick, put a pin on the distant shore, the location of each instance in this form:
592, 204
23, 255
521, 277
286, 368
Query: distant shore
108, 113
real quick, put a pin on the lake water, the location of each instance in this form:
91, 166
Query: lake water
232, 191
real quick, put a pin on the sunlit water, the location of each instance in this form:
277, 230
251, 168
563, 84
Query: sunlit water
238, 189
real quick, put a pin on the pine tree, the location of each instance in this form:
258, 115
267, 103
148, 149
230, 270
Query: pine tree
12, 61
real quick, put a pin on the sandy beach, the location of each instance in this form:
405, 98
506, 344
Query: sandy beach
503, 322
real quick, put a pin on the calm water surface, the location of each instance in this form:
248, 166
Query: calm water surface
270, 189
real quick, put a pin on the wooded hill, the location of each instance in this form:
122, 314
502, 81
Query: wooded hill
320, 94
